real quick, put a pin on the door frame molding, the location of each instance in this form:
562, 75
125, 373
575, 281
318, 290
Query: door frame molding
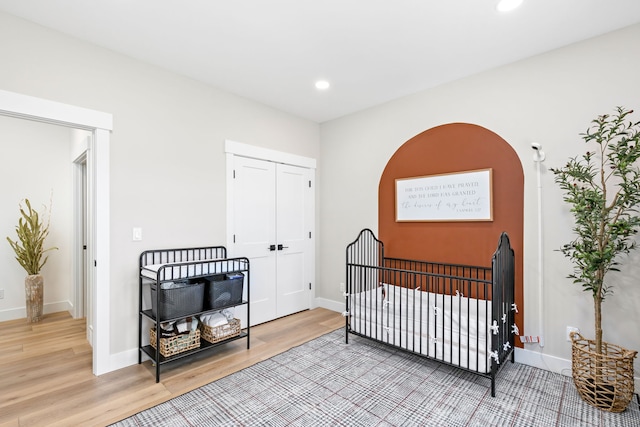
260, 153
100, 124
79, 169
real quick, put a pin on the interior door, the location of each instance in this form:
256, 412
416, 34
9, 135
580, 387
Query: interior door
273, 213
254, 232
292, 234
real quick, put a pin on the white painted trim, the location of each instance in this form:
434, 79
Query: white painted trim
543, 361
310, 214
338, 307
42, 110
245, 150
32, 108
125, 358
77, 237
21, 312
231, 226
99, 209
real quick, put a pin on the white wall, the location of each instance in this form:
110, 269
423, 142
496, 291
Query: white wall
550, 99
36, 166
167, 147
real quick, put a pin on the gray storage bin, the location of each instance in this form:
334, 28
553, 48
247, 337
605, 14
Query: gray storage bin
179, 301
223, 290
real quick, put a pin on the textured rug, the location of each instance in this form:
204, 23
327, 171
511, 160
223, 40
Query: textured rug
326, 382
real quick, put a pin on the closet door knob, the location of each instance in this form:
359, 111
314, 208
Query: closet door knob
272, 247
280, 247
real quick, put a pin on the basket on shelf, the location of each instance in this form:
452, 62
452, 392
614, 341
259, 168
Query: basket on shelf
176, 344
214, 334
603, 380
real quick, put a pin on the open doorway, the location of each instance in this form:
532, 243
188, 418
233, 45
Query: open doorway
99, 126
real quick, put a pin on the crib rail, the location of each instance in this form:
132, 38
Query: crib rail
171, 256
459, 270
171, 264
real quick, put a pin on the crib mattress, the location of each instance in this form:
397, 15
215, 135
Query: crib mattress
449, 328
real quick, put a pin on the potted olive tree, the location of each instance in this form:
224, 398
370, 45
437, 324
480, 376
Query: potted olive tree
29, 250
602, 188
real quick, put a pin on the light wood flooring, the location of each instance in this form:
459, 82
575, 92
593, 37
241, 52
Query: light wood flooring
46, 377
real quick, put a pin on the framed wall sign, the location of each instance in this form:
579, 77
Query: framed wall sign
458, 196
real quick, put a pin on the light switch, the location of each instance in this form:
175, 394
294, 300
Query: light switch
137, 234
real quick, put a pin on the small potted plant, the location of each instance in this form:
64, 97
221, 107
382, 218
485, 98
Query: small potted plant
602, 188
29, 250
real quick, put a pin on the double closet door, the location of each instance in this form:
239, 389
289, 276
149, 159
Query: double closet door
273, 215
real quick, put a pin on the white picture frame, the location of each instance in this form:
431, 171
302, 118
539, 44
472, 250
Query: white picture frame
456, 196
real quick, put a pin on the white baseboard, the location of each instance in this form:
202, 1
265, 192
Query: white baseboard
21, 312
543, 361
338, 307
124, 359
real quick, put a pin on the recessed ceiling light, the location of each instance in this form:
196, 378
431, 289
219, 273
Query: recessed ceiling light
322, 85
508, 5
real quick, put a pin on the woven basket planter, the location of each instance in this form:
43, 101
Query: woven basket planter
603, 380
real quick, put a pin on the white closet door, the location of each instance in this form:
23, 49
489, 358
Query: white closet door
273, 218
254, 231
292, 231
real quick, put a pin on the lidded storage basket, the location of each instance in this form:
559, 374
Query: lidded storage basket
603, 380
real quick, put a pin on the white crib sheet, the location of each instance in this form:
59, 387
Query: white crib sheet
426, 323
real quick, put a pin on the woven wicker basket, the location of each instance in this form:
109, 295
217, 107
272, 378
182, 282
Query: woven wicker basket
219, 333
603, 380
177, 344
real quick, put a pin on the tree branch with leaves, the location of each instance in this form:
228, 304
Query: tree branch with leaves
603, 188
29, 247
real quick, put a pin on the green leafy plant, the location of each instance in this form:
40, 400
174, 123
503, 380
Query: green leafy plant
603, 188
29, 247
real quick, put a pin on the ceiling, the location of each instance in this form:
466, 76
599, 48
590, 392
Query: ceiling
371, 51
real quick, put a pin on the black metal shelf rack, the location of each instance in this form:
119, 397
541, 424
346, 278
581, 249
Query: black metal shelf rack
165, 265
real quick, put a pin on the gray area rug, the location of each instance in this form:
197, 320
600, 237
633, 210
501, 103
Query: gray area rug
326, 382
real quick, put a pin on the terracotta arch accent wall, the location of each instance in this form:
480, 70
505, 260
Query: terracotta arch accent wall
450, 148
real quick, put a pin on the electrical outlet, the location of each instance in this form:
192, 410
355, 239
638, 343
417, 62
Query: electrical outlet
1, 293
571, 329
342, 287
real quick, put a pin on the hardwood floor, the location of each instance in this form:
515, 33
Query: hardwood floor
46, 378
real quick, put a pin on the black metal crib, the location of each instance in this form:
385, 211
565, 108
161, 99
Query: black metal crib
460, 315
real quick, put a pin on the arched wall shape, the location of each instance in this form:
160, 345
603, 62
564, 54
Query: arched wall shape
450, 148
